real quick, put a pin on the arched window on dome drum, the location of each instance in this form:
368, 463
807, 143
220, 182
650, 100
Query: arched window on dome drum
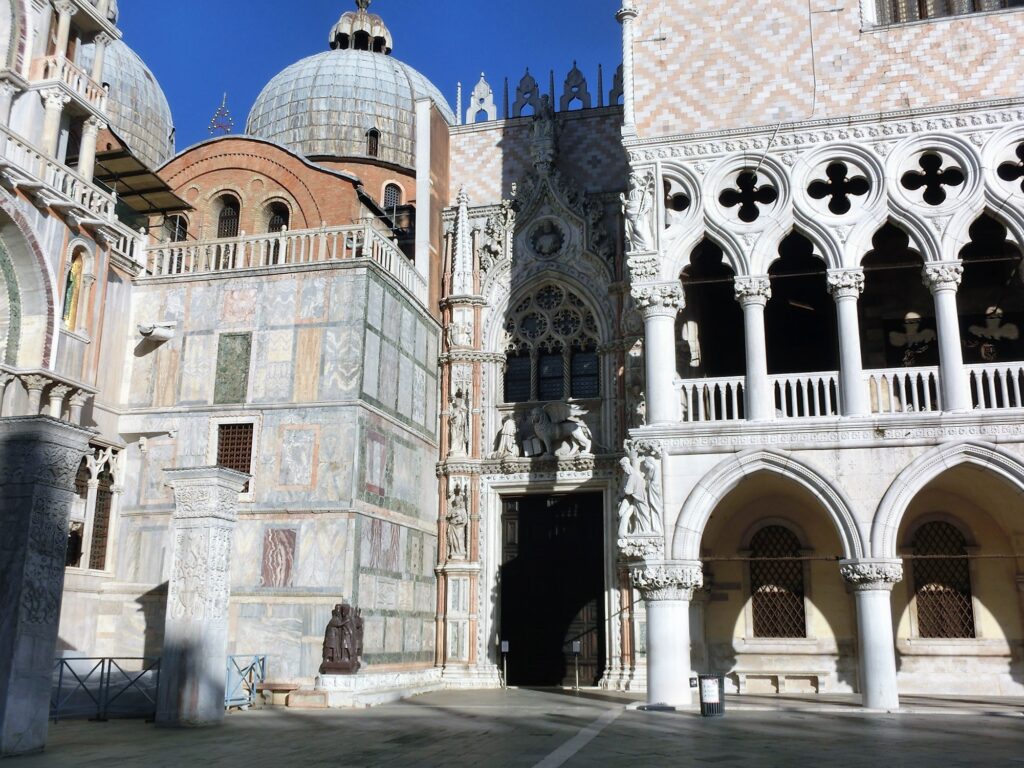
777, 584
392, 197
942, 582
227, 219
373, 142
551, 353
278, 216
73, 292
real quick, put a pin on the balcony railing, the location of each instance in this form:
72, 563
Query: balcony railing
286, 249
994, 386
997, 385
35, 392
41, 172
62, 69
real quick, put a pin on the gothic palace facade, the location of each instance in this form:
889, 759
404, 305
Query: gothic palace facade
708, 364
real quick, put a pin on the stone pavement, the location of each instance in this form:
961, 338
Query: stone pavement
549, 729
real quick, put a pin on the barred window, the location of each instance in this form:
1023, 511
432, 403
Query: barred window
392, 196
234, 448
777, 584
552, 340
373, 142
227, 219
942, 582
899, 11
101, 522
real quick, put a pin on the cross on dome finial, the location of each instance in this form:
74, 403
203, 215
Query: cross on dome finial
363, 4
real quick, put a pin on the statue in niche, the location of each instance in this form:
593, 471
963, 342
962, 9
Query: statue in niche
637, 207
650, 467
636, 406
507, 443
458, 424
343, 641
915, 340
458, 521
560, 427
987, 337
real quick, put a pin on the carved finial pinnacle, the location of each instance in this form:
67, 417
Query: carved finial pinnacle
363, 5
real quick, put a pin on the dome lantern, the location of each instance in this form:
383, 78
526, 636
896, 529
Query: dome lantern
361, 30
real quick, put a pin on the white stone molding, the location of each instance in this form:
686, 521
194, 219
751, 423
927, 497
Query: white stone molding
659, 580
753, 290
871, 574
927, 467
943, 276
846, 283
725, 477
658, 299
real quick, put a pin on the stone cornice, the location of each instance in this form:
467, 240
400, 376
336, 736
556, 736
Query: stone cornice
470, 356
532, 468
799, 135
896, 430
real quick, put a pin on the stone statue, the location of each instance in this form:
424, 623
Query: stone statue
458, 522
343, 641
636, 406
542, 142
560, 427
460, 335
650, 467
637, 207
507, 444
458, 425
633, 509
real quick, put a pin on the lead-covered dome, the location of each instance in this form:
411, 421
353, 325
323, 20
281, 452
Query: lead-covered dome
136, 106
330, 104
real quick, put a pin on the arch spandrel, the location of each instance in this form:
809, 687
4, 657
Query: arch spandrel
717, 484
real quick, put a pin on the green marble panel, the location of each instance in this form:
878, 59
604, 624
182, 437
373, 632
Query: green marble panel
234, 352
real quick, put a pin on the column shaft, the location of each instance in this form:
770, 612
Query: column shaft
626, 16
872, 582
668, 652
753, 294
54, 110
87, 150
943, 280
660, 361
64, 13
846, 286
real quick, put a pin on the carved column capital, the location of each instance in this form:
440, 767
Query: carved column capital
627, 12
206, 493
92, 126
943, 276
54, 98
65, 8
756, 289
659, 299
667, 579
864, 575
846, 283
103, 40
8, 88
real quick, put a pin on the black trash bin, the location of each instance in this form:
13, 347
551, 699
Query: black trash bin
712, 695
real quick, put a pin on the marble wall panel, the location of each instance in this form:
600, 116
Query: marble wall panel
376, 469
387, 594
145, 552
420, 352
373, 634
173, 305
198, 369
298, 448
342, 359
312, 300
141, 383
407, 332
278, 303
419, 397
238, 306
308, 364
204, 307
387, 388
278, 636
425, 598
159, 455
336, 473
168, 358
245, 555
278, 562
408, 475
371, 365
375, 305
406, 595
413, 640
406, 383
272, 374
393, 635
391, 327
324, 554
380, 545
234, 360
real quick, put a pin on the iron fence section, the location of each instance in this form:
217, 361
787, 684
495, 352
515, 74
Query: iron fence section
101, 688
245, 673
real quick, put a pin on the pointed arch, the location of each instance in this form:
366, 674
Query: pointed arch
724, 478
923, 470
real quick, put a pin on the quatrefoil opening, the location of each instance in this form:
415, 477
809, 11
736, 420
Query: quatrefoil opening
1012, 171
840, 187
749, 196
933, 179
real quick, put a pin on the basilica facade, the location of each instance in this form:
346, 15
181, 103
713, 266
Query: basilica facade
706, 364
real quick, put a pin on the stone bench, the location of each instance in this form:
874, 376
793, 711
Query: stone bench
782, 682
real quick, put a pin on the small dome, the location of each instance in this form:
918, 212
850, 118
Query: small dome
361, 30
326, 105
137, 107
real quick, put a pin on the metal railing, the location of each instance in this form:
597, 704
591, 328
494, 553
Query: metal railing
244, 676
997, 385
284, 249
806, 395
904, 390
101, 688
718, 399
74, 77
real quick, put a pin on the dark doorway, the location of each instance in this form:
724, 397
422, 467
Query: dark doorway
552, 588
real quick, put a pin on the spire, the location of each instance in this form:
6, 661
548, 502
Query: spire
222, 122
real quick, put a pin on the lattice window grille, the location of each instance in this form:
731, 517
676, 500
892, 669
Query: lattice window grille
553, 324
234, 448
942, 585
101, 522
777, 584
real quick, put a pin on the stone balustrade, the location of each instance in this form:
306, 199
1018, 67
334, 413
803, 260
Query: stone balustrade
62, 69
285, 249
38, 392
994, 386
52, 183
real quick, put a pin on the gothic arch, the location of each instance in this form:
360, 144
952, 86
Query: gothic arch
36, 288
926, 468
724, 478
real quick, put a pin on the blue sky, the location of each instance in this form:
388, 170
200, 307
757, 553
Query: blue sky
202, 48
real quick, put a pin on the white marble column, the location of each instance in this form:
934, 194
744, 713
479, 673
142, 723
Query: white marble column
54, 101
87, 152
193, 666
626, 16
943, 279
39, 458
660, 304
667, 589
872, 582
101, 42
846, 286
65, 10
7, 91
753, 294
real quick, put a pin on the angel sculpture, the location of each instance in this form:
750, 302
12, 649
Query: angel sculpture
560, 427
